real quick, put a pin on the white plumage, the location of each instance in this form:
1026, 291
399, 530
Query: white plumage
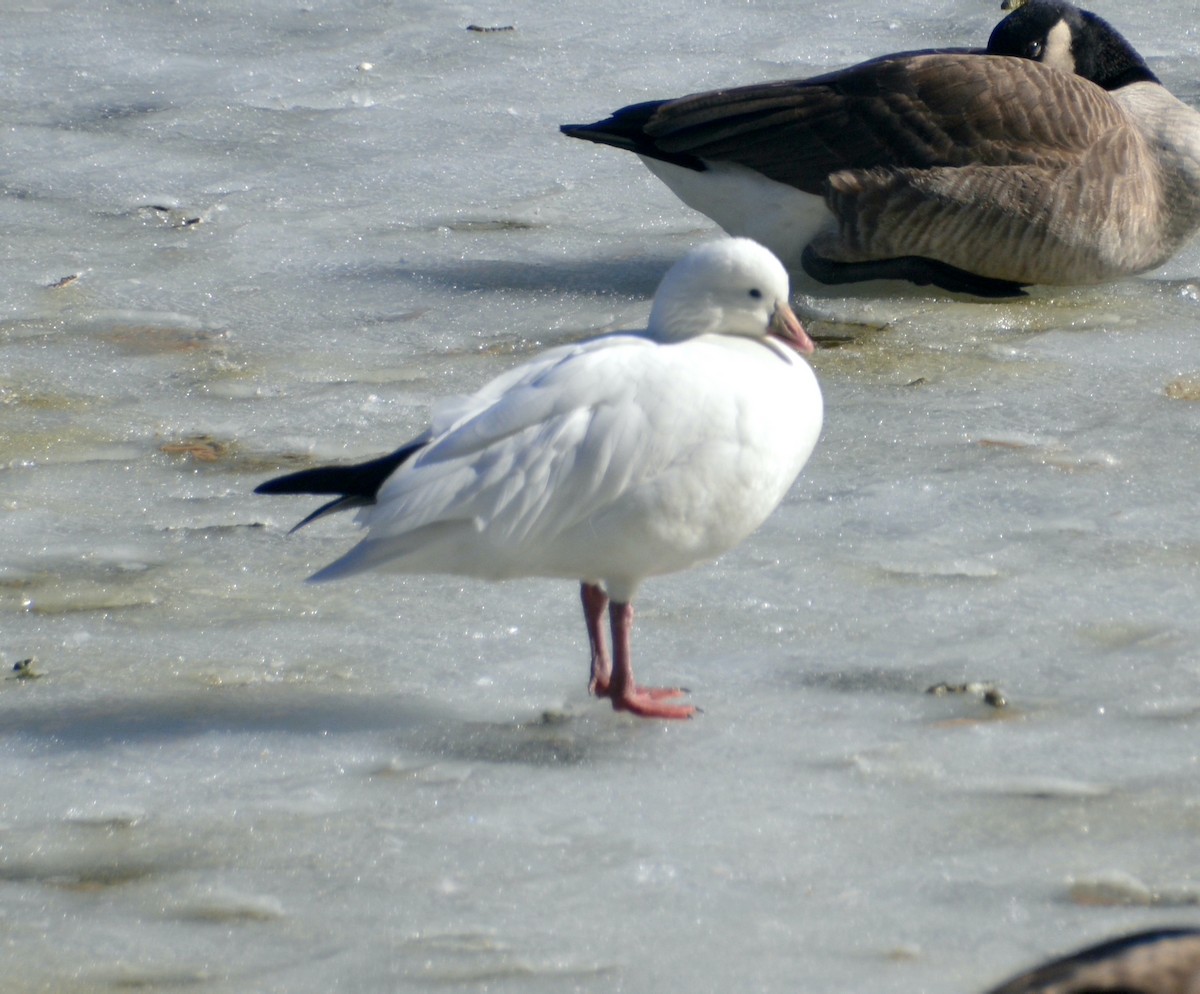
628, 456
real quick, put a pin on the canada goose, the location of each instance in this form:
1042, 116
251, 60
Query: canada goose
1162, 961
975, 171
628, 456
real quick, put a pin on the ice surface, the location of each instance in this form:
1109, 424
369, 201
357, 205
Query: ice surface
248, 235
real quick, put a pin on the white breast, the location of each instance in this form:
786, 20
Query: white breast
746, 203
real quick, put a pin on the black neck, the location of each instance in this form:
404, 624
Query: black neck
1113, 61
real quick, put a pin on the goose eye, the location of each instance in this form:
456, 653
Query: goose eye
1034, 50
756, 294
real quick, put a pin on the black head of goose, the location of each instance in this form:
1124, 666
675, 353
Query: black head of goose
1064, 37
971, 170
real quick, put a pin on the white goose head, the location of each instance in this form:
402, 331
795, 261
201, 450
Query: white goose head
729, 287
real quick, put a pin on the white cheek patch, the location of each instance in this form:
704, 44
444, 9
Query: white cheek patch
1058, 48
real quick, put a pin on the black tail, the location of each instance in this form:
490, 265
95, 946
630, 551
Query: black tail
627, 129
356, 486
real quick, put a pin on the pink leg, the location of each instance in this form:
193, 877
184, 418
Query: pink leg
595, 603
627, 695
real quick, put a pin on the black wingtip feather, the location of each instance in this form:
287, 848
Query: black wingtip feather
331, 507
359, 481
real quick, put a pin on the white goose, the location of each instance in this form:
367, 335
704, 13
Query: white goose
1056, 157
625, 457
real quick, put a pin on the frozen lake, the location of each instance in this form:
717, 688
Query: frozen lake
286, 229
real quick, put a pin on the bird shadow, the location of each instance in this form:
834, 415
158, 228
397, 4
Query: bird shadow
615, 277
415, 726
